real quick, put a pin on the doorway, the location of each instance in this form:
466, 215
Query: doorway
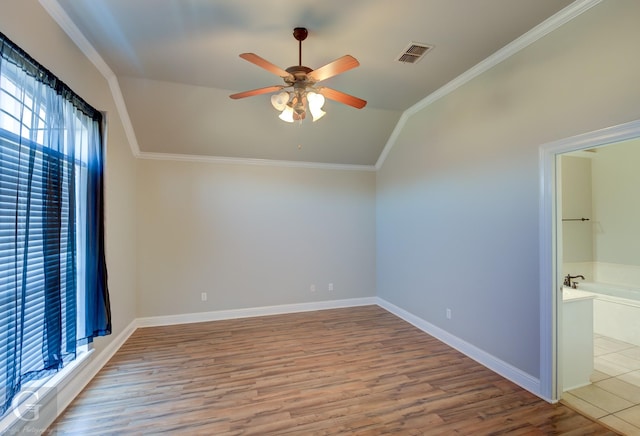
551, 253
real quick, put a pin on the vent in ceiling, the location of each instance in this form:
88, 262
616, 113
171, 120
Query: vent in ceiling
414, 52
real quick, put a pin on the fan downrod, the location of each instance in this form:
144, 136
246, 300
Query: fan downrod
300, 34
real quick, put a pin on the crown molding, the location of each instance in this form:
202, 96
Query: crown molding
68, 26
549, 25
258, 162
60, 16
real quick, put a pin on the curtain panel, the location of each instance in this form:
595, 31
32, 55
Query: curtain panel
53, 279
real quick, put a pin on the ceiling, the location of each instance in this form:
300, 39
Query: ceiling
176, 62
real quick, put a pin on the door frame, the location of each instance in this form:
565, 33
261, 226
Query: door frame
551, 246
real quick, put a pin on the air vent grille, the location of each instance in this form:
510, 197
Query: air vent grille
414, 52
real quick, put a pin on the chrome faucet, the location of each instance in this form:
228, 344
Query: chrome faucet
569, 283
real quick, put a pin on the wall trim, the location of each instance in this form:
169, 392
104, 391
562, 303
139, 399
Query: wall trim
496, 365
87, 370
549, 25
58, 392
260, 162
75, 385
250, 312
60, 16
68, 26
517, 376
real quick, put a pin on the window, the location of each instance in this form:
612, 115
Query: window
53, 282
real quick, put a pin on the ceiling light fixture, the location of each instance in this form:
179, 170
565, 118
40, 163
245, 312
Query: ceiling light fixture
293, 105
304, 94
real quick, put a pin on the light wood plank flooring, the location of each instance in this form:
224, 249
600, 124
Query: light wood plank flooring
342, 371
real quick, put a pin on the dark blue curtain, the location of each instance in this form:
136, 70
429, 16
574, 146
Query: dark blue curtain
98, 307
53, 279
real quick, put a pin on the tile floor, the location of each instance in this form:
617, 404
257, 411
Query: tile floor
613, 397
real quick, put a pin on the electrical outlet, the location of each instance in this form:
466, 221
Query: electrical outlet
448, 313
312, 288
203, 296
330, 286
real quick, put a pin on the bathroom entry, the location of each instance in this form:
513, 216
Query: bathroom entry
598, 231
551, 240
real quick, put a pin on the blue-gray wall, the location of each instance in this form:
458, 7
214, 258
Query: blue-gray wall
458, 194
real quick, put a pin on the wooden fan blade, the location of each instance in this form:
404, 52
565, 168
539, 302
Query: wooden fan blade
340, 65
341, 97
258, 91
263, 63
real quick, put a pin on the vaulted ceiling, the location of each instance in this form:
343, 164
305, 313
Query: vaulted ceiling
176, 63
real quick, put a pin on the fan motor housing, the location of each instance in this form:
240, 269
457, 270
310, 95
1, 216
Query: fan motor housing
299, 73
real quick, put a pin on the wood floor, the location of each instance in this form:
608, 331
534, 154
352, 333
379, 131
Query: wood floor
342, 371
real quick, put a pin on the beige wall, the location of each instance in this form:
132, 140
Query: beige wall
452, 214
458, 195
577, 236
602, 185
27, 24
616, 184
248, 236
251, 236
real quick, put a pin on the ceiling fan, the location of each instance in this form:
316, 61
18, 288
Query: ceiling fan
302, 81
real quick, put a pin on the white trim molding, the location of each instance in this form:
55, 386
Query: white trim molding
506, 370
60, 16
259, 162
567, 14
55, 395
496, 365
73, 383
549, 281
250, 312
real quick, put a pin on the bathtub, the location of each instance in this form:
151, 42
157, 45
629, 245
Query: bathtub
616, 311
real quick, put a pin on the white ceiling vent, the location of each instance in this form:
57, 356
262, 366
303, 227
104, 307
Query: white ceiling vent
414, 52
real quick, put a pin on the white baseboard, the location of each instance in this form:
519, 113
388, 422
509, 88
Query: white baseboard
218, 315
55, 395
70, 389
71, 386
506, 370
82, 372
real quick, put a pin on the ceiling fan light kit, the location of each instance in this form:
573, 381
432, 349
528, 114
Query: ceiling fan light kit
293, 104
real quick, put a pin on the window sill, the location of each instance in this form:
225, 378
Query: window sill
36, 394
